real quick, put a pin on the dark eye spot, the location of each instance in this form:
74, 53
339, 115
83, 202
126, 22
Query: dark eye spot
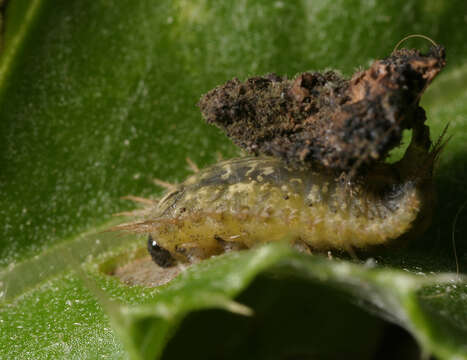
160, 256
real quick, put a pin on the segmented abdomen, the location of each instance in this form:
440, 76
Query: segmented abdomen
242, 202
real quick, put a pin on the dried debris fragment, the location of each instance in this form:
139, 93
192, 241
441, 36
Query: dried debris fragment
323, 118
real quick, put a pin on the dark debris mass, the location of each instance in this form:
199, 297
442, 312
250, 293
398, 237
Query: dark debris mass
323, 118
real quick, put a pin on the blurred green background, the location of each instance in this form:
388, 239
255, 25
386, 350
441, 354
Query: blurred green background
98, 97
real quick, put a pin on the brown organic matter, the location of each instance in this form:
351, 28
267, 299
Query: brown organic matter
323, 118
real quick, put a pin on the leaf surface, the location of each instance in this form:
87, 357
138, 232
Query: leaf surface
97, 98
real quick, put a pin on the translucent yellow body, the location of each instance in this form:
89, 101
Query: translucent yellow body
246, 201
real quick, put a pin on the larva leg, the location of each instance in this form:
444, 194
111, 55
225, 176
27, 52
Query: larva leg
301, 246
191, 252
161, 256
349, 250
230, 245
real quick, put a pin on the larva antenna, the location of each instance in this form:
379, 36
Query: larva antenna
413, 36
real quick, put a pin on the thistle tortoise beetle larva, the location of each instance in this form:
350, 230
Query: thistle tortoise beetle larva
315, 192
241, 202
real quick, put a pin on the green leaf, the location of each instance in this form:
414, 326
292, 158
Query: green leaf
388, 293
97, 98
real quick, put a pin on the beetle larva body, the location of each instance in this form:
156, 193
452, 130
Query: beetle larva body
246, 201
242, 202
